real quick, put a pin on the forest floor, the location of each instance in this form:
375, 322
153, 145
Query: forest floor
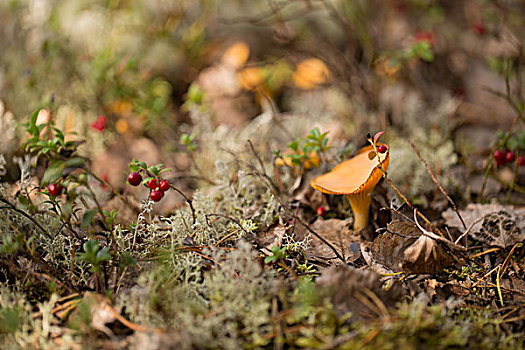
162, 175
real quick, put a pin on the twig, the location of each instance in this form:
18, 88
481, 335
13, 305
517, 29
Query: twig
437, 183
26, 215
401, 195
470, 228
257, 157
188, 200
436, 237
115, 192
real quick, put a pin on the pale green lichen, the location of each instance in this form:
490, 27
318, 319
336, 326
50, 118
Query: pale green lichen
406, 169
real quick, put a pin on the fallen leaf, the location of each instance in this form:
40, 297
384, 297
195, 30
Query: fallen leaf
493, 224
359, 292
337, 233
426, 255
404, 248
502, 229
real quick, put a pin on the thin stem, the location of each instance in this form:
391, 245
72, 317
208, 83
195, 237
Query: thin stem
401, 194
26, 215
115, 192
437, 183
188, 200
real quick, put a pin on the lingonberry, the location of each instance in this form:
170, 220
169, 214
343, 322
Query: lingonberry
381, 148
478, 28
134, 179
521, 161
499, 157
153, 184
156, 195
321, 211
510, 156
54, 189
164, 185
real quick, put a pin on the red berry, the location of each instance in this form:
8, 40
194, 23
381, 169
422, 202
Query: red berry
156, 195
521, 161
54, 189
134, 179
428, 36
381, 148
100, 123
153, 184
321, 211
499, 157
478, 28
510, 156
164, 185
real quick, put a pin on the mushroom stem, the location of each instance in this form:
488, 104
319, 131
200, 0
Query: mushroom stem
360, 203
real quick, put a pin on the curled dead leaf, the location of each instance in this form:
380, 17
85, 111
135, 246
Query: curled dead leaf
404, 248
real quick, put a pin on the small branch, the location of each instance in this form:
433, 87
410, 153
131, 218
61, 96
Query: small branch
26, 215
401, 194
514, 177
115, 192
257, 157
436, 237
188, 200
437, 183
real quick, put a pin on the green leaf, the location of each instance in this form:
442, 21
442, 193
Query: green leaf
165, 170
91, 248
127, 260
53, 172
24, 202
103, 255
87, 218
75, 162
294, 145
270, 259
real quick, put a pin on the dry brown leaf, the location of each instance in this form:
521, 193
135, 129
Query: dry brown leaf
426, 255
272, 237
493, 224
337, 233
404, 248
388, 249
358, 291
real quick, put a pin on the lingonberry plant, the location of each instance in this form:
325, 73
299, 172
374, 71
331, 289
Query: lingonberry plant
153, 180
66, 212
304, 153
510, 149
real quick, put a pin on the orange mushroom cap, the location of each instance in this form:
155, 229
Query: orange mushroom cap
355, 178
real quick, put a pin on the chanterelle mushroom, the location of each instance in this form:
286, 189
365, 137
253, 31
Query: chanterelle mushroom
355, 178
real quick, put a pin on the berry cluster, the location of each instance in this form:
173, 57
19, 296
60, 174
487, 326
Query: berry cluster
503, 157
157, 188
